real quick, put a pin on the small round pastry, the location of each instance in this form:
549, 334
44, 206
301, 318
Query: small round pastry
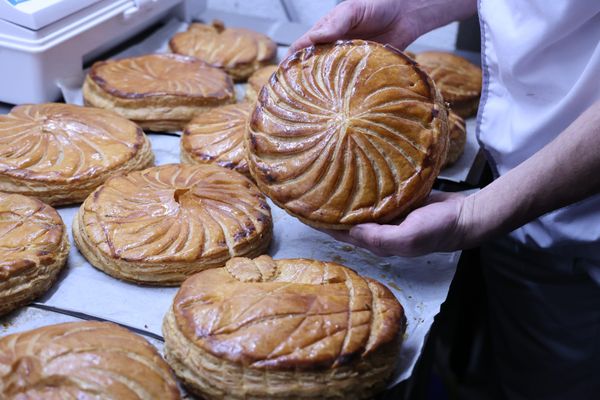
283, 329
33, 249
257, 81
83, 360
458, 138
217, 137
347, 133
162, 224
60, 153
160, 92
458, 80
238, 51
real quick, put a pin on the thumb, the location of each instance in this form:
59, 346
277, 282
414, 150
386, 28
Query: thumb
337, 24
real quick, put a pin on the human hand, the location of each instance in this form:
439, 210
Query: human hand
440, 225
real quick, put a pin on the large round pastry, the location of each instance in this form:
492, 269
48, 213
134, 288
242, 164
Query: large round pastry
160, 92
60, 153
347, 133
160, 225
458, 80
257, 80
238, 51
83, 360
283, 329
217, 137
33, 249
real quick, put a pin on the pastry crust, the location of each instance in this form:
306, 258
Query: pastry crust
33, 249
458, 138
295, 328
347, 133
239, 52
60, 153
217, 137
458, 80
160, 92
160, 225
257, 81
83, 360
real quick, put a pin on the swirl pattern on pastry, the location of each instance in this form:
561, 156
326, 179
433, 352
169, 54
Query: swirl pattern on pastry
158, 91
60, 152
329, 321
458, 80
238, 51
162, 224
83, 360
347, 133
33, 249
217, 137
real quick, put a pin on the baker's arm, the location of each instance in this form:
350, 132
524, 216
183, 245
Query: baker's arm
397, 22
565, 171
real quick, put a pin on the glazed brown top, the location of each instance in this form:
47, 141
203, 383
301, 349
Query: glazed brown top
456, 78
260, 78
30, 234
223, 47
64, 143
286, 314
161, 75
217, 136
83, 360
347, 133
175, 213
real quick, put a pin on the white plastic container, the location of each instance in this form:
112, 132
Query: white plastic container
43, 41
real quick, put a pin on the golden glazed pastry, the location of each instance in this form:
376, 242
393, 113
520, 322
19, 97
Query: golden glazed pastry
160, 225
33, 249
160, 92
217, 137
458, 138
238, 51
60, 153
283, 329
257, 81
347, 133
458, 80
83, 360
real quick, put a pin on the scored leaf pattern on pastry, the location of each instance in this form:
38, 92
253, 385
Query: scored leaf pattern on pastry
82, 360
62, 143
347, 133
323, 314
160, 75
217, 137
223, 47
30, 234
176, 213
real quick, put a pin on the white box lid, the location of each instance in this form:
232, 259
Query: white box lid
36, 14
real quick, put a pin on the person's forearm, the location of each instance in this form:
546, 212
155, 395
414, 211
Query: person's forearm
432, 14
563, 172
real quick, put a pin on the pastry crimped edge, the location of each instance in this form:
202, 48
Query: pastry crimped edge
360, 380
23, 288
153, 274
76, 191
154, 113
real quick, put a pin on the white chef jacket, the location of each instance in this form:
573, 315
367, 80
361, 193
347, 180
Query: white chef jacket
541, 62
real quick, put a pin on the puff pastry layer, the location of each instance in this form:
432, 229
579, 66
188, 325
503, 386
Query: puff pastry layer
83, 360
238, 51
160, 92
295, 328
458, 138
162, 224
257, 80
217, 137
33, 249
60, 153
346, 134
458, 80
